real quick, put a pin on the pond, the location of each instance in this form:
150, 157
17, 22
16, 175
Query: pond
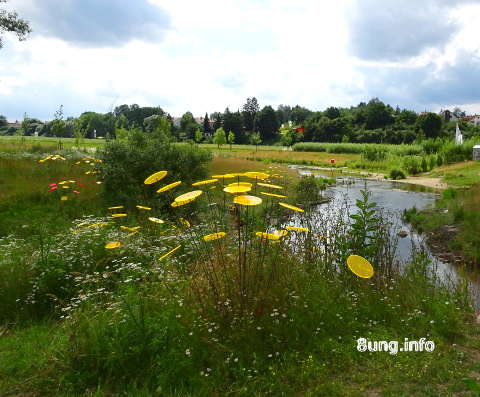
394, 198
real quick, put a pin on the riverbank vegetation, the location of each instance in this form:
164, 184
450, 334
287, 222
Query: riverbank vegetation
189, 282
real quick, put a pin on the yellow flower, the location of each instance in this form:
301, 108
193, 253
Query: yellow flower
141, 207
247, 200
118, 215
269, 185
291, 207
190, 196
113, 244
273, 195
130, 229
237, 189
62, 182
169, 252
300, 229
155, 177
360, 266
225, 176
98, 182
184, 222
71, 181
257, 175
156, 220
78, 162
246, 184
214, 236
64, 198
180, 203
168, 187
116, 207
235, 174
88, 172
280, 233
206, 182
267, 236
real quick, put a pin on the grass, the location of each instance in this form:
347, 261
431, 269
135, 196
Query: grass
461, 210
237, 316
31, 143
462, 174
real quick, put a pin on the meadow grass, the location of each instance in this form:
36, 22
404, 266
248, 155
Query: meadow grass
236, 314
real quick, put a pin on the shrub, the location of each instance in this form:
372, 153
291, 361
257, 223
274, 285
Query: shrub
125, 165
397, 174
412, 164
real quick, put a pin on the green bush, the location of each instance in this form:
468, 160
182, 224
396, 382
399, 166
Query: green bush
125, 165
397, 174
412, 164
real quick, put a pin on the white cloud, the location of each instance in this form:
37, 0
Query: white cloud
216, 54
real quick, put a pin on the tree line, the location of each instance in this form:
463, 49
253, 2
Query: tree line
371, 122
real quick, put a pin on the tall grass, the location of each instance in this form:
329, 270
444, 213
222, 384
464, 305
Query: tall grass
244, 313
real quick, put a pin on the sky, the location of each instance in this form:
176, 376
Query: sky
184, 55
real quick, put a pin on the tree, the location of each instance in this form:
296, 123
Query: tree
219, 137
256, 140
9, 22
198, 135
458, 113
284, 113
234, 122
231, 139
299, 114
249, 111
188, 125
377, 115
430, 124
267, 124
3, 121
207, 128
58, 124
332, 112
217, 119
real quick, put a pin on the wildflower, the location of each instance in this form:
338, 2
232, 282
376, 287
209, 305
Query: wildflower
53, 184
53, 188
113, 244
273, 195
187, 352
299, 229
64, 198
141, 207
155, 177
247, 200
206, 182
156, 220
76, 192
269, 185
116, 207
169, 252
184, 222
360, 266
267, 236
168, 187
291, 207
98, 182
214, 236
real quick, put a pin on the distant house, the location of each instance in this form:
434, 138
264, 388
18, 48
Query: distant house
447, 115
15, 125
475, 119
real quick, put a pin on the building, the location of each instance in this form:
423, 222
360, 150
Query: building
476, 152
15, 125
475, 119
447, 115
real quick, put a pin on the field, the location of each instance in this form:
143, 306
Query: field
219, 299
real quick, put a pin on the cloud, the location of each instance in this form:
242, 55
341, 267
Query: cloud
94, 23
392, 30
427, 86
